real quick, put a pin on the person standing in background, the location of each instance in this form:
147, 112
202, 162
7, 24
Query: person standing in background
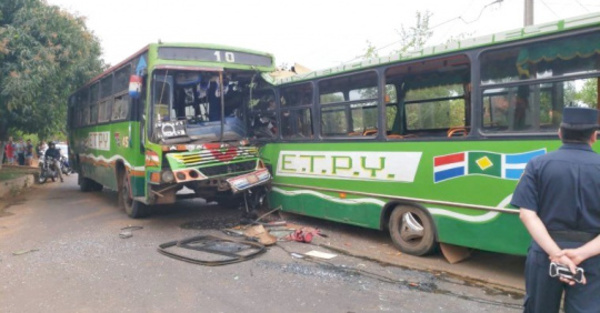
20, 149
9, 151
28, 152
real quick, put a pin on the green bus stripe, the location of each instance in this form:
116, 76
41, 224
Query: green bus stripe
411, 199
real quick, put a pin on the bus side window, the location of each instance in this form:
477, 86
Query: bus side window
296, 118
349, 105
433, 98
263, 115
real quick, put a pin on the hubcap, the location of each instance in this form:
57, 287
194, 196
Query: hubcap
411, 229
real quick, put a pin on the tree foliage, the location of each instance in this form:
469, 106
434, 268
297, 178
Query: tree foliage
45, 54
415, 37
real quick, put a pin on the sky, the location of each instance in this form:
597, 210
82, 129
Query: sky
314, 33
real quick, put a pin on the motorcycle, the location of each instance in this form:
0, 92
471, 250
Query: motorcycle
47, 170
64, 165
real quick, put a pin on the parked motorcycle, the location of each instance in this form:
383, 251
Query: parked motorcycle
47, 170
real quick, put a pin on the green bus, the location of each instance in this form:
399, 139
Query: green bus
430, 145
168, 123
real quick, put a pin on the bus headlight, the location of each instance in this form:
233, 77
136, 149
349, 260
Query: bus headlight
167, 177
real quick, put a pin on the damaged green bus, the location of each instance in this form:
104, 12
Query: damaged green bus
171, 116
429, 145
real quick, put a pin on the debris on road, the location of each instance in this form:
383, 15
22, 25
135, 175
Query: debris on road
321, 255
127, 232
305, 234
211, 250
297, 255
261, 235
21, 252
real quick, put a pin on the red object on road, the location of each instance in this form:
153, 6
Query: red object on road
304, 235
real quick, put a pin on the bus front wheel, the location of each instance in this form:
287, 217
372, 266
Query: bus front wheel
133, 208
412, 230
87, 185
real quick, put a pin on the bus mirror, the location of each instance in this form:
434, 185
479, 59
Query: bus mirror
135, 86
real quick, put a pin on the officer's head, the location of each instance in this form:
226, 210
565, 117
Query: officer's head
578, 124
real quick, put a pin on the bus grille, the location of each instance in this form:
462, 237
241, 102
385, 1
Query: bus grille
224, 169
207, 156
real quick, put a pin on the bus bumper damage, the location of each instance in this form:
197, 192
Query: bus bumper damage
230, 175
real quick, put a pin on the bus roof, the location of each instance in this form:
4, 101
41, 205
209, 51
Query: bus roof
532, 31
173, 44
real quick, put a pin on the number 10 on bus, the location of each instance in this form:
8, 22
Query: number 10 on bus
229, 56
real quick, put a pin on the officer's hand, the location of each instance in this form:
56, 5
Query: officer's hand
576, 255
563, 257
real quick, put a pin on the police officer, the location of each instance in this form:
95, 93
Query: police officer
559, 200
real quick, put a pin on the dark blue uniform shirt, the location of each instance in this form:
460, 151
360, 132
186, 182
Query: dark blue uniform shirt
563, 188
53, 152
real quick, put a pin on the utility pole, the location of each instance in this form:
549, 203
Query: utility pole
528, 16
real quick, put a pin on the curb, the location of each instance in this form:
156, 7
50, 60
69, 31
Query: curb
15, 185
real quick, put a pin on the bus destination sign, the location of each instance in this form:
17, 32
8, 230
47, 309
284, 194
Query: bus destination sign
213, 55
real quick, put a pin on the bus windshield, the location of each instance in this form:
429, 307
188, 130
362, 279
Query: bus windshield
198, 106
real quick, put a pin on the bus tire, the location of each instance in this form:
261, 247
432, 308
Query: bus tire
85, 184
412, 230
133, 208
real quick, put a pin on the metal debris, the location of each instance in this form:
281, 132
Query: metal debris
127, 232
21, 252
211, 250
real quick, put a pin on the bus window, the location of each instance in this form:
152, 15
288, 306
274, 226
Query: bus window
296, 121
122, 78
120, 108
94, 93
93, 113
262, 118
85, 119
296, 124
430, 98
552, 58
349, 105
536, 106
435, 108
106, 85
161, 97
105, 110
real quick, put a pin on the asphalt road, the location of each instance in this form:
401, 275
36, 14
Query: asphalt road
60, 251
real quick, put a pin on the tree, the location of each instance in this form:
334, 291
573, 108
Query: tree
588, 94
45, 54
417, 36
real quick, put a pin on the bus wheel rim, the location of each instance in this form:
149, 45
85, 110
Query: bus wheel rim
411, 229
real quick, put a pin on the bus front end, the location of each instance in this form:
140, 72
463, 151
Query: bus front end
198, 144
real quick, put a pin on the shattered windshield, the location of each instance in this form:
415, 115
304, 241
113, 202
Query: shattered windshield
195, 106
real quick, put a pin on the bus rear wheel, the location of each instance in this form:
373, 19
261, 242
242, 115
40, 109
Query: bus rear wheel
133, 208
412, 230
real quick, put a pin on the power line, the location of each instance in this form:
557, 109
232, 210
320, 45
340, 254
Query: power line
438, 25
581, 5
549, 9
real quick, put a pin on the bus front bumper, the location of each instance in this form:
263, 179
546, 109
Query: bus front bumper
249, 180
